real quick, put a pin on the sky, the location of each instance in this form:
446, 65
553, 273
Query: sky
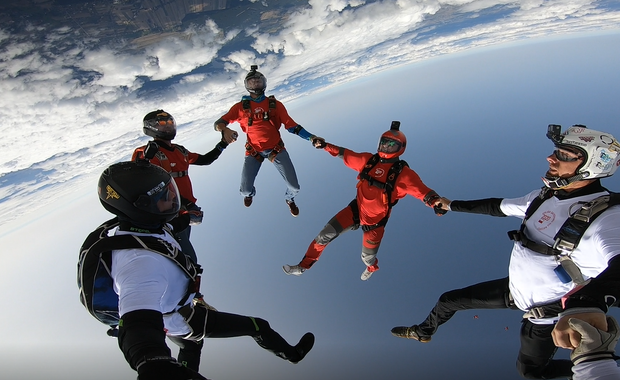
474, 91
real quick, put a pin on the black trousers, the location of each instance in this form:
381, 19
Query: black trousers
227, 325
535, 359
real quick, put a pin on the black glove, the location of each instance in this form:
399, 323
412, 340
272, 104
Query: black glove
438, 210
167, 368
151, 150
318, 142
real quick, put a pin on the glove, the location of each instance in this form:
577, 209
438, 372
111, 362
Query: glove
195, 214
168, 368
431, 201
438, 210
318, 142
595, 344
151, 150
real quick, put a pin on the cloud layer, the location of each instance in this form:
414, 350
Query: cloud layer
74, 105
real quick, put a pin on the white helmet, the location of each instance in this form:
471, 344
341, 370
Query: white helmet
601, 152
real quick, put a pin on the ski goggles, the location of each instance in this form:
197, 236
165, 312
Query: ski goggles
564, 157
387, 145
165, 121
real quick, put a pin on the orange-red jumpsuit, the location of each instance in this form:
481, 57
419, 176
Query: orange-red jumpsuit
371, 202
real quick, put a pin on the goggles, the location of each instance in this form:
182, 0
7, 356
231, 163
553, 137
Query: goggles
387, 145
165, 121
564, 157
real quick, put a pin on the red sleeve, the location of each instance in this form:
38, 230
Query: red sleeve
409, 182
138, 153
284, 117
235, 115
354, 160
192, 157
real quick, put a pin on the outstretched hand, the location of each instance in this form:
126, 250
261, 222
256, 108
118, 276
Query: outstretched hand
595, 344
229, 136
566, 337
318, 142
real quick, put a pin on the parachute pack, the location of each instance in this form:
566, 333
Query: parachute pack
94, 270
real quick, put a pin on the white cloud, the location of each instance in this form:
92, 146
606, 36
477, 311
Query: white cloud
68, 96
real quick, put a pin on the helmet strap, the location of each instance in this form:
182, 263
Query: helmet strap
556, 183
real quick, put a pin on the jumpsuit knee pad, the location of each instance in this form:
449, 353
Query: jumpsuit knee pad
327, 234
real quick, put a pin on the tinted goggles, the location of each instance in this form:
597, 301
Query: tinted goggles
565, 157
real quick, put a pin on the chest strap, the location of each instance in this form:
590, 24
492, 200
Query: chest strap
179, 174
569, 235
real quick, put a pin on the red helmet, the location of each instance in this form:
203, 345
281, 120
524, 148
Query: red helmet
392, 144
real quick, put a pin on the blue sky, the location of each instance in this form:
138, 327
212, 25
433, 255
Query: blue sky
475, 121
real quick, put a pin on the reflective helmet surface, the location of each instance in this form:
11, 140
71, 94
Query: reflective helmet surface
601, 151
140, 192
255, 82
392, 144
159, 124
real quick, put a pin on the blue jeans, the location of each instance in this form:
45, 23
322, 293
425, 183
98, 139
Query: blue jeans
283, 164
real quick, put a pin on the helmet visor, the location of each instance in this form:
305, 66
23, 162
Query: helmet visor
163, 199
165, 123
255, 83
388, 145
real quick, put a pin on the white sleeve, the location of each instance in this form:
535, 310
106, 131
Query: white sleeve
598, 370
518, 206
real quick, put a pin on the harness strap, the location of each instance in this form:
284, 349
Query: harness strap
245, 103
272, 155
569, 235
365, 227
179, 174
252, 152
549, 310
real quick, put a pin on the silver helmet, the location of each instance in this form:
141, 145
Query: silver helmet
601, 152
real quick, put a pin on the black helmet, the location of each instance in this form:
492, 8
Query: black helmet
257, 86
160, 124
139, 192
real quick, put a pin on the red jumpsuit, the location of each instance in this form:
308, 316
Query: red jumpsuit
371, 202
175, 159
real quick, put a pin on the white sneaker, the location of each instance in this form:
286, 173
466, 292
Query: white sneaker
366, 274
369, 271
293, 269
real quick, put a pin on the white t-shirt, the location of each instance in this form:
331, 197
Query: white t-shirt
146, 280
533, 281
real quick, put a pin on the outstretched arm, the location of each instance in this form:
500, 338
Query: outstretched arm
208, 158
317, 142
488, 206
